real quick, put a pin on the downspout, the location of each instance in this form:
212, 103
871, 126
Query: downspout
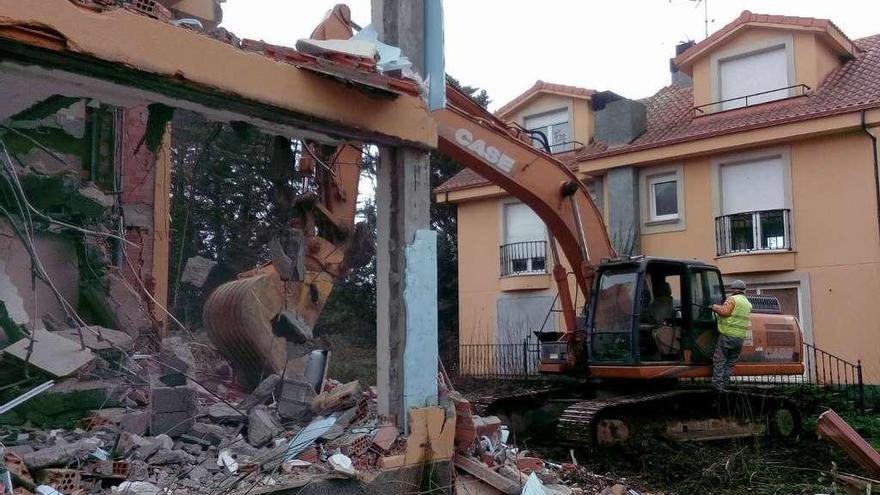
876, 165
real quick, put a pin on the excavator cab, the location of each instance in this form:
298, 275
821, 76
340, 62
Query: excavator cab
650, 318
653, 310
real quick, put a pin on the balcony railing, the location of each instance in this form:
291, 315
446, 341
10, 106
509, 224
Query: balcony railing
761, 97
524, 258
768, 230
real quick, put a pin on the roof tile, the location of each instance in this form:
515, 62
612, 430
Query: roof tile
853, 86
540, 86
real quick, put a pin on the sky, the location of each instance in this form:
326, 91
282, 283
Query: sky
504, 46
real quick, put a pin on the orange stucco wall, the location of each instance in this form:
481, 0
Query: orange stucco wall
836, 241
478, 270
579, 113
813, 60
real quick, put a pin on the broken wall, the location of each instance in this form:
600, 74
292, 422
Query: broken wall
89, 165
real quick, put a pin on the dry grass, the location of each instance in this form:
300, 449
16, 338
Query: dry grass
351, 361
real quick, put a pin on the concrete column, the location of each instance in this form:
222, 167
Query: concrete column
406, 284
623, 209
406, 264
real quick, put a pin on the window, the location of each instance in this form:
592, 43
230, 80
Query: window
613, 316
661, 199
764, 72
524, 249
663, 192
555, 126
754, 212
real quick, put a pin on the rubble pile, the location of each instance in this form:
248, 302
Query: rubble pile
484, 457
167, 433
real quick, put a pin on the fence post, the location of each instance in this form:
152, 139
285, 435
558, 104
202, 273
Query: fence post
525, 355
861, 388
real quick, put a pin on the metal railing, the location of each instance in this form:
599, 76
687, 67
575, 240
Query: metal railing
523, 258
499, 361
821, 369
766, 230
799, 90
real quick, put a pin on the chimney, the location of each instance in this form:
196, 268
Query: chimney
679, 78
618, 120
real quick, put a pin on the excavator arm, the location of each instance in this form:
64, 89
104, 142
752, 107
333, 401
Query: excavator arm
252, 319
500, 153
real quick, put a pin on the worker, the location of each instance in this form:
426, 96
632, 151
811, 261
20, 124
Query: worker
733, 328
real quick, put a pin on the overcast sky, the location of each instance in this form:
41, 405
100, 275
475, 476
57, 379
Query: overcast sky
504, 46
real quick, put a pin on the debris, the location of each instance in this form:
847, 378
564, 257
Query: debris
341, 397
262, 393
832, 427
47, 490
385, 436
225, 460
533, 486
61, 455
136, 488
263, 426
307, 436
342, 464
99, 339
197, 270
481, 471
25, 397
52, 353
296, 400
173, 409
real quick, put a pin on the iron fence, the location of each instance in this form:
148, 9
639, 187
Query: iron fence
821, 369
498, 361
524, 258
766, 230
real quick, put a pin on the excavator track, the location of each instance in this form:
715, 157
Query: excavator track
681, 415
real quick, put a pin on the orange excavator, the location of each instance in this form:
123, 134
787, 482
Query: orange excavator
645, 326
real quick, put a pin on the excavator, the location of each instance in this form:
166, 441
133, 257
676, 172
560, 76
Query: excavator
645, 328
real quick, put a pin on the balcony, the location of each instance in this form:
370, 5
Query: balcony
753, 232
524, 258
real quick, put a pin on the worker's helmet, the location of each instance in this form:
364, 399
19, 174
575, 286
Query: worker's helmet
738, 286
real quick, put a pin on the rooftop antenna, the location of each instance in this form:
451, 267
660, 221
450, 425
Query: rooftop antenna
705, 14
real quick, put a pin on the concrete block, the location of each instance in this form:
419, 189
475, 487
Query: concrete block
171, 423
137, 422
174, 399
295, 403
263, 426
197, 270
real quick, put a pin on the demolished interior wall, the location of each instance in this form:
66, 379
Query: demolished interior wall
63, 152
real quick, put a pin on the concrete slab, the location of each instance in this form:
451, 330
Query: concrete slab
52, 353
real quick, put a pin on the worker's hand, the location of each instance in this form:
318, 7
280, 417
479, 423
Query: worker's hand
715, 308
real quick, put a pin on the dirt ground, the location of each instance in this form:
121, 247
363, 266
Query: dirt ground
803, 465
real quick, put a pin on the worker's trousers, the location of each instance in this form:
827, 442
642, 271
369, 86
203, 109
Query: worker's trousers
726, 353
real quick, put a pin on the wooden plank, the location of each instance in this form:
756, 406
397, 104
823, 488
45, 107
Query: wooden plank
832, 427
481, 471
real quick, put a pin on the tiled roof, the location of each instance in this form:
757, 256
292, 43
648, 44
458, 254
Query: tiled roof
747, 17
543, 86
852, 87
467, 178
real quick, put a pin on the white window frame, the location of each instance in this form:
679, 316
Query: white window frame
652, 196
651, 223
784, 154
549, 127
715, 60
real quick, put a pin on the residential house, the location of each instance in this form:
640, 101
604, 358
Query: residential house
760, 157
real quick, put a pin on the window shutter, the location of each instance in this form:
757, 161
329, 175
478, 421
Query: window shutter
522, 224
753, 186
763, 71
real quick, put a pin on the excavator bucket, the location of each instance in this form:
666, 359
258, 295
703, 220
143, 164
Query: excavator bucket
253, 320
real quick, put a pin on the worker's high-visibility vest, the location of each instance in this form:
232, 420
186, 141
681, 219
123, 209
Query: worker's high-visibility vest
737, 324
